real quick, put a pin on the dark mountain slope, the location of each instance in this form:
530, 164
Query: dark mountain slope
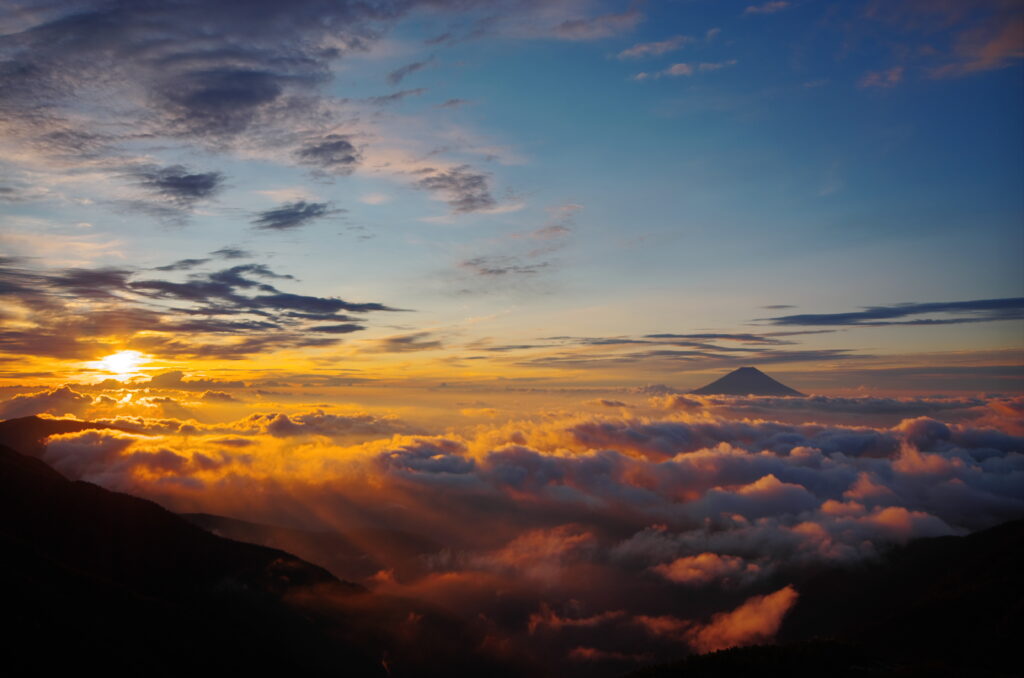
26, 434
104, 581
354, 554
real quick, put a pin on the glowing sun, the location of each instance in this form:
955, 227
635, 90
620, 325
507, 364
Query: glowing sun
122, 363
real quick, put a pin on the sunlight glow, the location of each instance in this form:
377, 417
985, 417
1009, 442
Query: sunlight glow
122, 363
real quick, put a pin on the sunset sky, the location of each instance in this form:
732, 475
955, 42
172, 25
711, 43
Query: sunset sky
545, 193
451, 268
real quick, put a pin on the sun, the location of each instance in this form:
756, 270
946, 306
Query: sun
122, 363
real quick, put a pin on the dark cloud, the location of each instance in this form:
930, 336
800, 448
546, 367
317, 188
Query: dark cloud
182, 265
343, 328
334, 153
981, 310
231, 253
464, 189
178, 185
405, 343
399, 74
745, 338
292, 215
228, 313
453, 103
385, 99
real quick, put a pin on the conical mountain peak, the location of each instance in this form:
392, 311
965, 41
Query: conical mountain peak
747, 381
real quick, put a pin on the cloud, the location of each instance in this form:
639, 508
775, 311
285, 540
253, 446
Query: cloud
395, 97
292, 215
585, 526
182, 265
334, 152
645, 49
62, 400
754, 622
887, 78
992, 46
686, 69
706, 568
226, 313
463, 188
950, 312
500, 266
179, 185
231, 253
404, 343
399, 74
767, 7
320, 423
603, 26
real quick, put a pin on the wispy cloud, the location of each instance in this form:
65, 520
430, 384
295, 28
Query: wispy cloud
949, 313
767, 7
646, 49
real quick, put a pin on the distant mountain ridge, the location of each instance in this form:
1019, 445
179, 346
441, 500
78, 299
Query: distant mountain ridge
747, 381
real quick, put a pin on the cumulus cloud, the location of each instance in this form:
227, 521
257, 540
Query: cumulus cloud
755, 621
62, 400
587, 525
705, 568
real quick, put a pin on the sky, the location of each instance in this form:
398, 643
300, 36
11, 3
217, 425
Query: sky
451, 268
519, 191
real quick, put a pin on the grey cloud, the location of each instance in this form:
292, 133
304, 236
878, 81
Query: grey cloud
980, 310
464, 189
231, 253
335, 152
182, 265
399, 74
417, 341
231, 313
179, 185
500, 266
385, 99
292, 215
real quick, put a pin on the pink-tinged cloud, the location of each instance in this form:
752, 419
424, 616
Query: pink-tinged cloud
986, 48
706, 568
546, 618
767, 7
755, 621
664, 625
645, 49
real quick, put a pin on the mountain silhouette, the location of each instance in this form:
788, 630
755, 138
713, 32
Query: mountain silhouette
353, 554
26, 434
747, 381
